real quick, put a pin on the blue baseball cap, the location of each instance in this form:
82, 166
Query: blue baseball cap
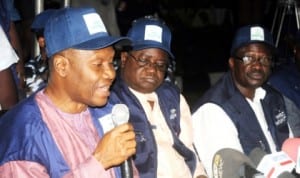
78, 28
252, 34
149, 32
41, 19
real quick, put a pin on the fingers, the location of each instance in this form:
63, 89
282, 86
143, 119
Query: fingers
116, 146
127, 144
124, 127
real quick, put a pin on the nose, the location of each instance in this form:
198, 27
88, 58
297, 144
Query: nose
151, 67
109, 72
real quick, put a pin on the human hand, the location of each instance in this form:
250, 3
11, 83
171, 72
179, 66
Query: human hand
116, 146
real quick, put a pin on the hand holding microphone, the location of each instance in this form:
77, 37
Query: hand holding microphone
120, 115
117, 145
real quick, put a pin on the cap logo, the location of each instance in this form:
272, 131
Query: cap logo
94, 23
153, 32
257, 33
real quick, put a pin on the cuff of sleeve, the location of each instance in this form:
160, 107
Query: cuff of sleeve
90, 168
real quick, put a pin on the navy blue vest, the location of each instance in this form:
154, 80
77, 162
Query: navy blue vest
169, 101
25, 136
227, 96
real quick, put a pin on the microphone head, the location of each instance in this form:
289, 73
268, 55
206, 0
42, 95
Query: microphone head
256, 155
120, 114
227, 163
286, 175
290, 146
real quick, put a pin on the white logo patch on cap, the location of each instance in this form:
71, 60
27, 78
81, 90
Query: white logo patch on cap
94, 23
257, 33
153, 32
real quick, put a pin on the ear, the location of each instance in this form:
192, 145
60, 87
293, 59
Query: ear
231, 63
61, 65
41, 41
124, 57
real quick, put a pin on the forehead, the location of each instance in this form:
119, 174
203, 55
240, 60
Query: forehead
255, 47
152, 52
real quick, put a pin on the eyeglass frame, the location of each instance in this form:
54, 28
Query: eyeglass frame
146, 63
255, 59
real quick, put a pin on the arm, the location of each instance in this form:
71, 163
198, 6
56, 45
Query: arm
113, 149
16, 44
213, 130
27, 169
9, 96
7, 83
186, 135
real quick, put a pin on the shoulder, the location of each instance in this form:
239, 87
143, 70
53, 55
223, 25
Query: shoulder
19, 117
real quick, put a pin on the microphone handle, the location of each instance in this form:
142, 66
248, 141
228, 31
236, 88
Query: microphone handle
126, 169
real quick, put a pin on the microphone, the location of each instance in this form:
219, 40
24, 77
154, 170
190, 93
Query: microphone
120, 115
228, 162
291, 146
273, 165
286, 175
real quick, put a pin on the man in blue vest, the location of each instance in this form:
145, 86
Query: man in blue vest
62, 130
159, 113
240, 111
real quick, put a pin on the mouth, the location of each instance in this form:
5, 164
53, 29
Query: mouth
104, 90
150, 80
257, 75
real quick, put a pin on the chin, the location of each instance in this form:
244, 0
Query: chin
99, 103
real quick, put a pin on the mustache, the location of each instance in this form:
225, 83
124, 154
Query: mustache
258, 72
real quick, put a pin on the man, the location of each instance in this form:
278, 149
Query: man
8, 89
36, 69
286, 78
240, 111
58, 132
159, 113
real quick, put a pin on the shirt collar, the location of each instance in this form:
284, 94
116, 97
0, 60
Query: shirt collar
259, 94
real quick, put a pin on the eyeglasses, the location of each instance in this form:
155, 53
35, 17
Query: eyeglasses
161, 66
248, 59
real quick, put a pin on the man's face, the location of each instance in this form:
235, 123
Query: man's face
90, 74
144, 70
251, 75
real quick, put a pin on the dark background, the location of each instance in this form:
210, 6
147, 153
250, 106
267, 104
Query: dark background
202, 31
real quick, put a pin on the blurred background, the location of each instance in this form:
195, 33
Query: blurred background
202, 29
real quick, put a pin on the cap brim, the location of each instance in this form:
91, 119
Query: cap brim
103, 42
145, 46
270, 46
